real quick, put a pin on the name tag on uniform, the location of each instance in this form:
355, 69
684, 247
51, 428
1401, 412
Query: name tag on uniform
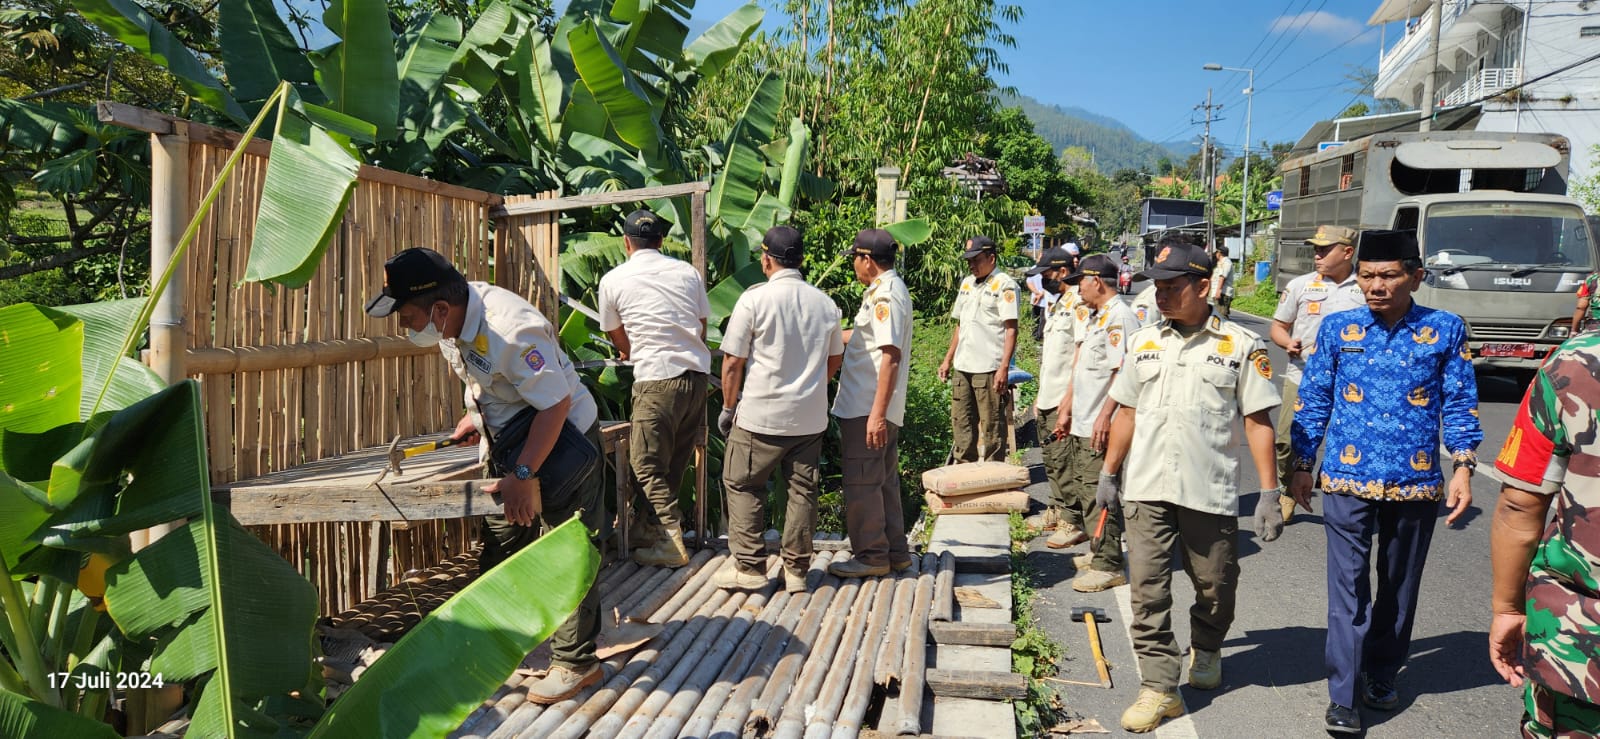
1351, 349
480, 362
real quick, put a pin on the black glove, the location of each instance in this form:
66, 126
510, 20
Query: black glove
1269, 514
725, 422
1108, 492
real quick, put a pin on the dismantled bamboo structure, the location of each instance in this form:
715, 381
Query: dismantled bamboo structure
916, 652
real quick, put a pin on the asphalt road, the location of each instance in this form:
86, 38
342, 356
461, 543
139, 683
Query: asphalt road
1273, 676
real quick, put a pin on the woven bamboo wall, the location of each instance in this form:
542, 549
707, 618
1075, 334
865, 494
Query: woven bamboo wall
265, 421
520, 242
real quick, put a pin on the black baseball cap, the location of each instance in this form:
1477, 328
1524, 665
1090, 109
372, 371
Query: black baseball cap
1094, 265
783, 243
1050, 259
1177, 260
409, 274
873, 242
645, 225
978, 245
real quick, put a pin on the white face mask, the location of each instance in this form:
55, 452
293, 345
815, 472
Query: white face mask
429, 336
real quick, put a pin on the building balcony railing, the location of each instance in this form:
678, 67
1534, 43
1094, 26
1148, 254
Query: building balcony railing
1485, 83
1404, 54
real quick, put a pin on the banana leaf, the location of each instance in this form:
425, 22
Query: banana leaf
540, 92
258, 50
359, 73
427, 49
629, 109
439, 672
910, 232
310, 179
712, 50
131, 25
20, 716
734, 193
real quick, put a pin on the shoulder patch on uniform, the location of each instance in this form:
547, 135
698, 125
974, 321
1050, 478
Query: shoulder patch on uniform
1263, 365
1140, 313
1114, 336
881, 311
1010, 296
534, 359
481, 344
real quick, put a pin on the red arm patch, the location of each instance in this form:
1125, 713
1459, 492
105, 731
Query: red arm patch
1526, 453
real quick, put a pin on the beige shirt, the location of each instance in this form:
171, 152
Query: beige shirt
509, 357
1188, 396
660, 302
1305, 300
983, 310
1101, 348
1144, 306
884, 320
1060, 343
785, 329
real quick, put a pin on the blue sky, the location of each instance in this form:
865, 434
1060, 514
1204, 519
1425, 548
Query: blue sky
1139, 61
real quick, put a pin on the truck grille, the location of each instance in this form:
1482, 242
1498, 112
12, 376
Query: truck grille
1504, 332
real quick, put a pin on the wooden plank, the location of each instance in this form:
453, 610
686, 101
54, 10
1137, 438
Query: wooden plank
982, 684
976, 634
595, 200
264, 504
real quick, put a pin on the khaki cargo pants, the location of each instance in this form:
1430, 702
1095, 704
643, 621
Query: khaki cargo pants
572, 645
748, 464
1210, 557
667, 418
975, 413
1283, 443
872, 509
1073, 468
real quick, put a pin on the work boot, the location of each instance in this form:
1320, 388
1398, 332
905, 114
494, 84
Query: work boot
1205, 668
1045, 521
1149, 709
794, 579
668, 551
900, 566
561, 683
856, 568
734, 576
1066, 535
1094, 581
1082, 560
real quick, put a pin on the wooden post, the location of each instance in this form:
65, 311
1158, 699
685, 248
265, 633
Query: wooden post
697, 232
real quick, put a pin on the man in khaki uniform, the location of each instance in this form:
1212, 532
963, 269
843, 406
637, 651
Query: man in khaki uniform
1055, 375
871, 408
508, 356
980, 353
782, 345
1301, 306
1085, 422
1182, 390
1144, 304
654, 308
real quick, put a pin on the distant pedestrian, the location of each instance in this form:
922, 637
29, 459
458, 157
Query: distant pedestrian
1305, 301
1182, 393
782, 345
654, 308
1221, 297
1382, 383
980, 352
1036, 299
1544, 604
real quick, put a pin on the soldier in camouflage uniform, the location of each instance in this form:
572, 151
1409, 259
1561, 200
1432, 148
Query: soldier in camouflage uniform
1586, 317
1545, 635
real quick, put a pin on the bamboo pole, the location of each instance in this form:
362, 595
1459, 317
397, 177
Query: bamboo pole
618, 573
916, 652
944, 589
845, 701
652, 602
628, 587
701, 578
805, 610
813, 632
892, 652
828, 671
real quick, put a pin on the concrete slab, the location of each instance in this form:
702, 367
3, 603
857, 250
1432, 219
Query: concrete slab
985, 533
968, 717
994, 587
963, 657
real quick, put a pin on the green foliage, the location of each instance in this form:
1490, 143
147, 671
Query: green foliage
1262, 300
1033, 653
1586, 190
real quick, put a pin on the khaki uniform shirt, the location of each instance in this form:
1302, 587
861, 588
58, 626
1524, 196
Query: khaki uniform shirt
1059, 346
785, 329
983, 310
1101, 348
1304, 302
660, 301
509, 357
1144, 306
884, 320
1188, 395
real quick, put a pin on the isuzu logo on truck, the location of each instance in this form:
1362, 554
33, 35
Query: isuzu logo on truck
1517, 281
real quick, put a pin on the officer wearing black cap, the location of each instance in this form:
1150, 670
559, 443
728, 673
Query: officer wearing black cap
1185, 385
1058, 347
781, 346
980, 353
654, 308
508, 355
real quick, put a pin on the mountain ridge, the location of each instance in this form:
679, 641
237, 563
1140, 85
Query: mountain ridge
1114, 144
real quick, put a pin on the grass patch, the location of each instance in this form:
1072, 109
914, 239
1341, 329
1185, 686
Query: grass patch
1033, 654
1257, 300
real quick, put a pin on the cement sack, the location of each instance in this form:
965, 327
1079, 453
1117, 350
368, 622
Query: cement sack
990, 502
974, 477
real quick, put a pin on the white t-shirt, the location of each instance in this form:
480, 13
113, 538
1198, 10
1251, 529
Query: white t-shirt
786, 330
660, 302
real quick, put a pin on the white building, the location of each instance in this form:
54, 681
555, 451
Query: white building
1486, 49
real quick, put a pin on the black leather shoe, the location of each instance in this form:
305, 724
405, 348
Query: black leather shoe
1380, 694
1341, 720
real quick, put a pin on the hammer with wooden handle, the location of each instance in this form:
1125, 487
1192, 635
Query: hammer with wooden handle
1091, 618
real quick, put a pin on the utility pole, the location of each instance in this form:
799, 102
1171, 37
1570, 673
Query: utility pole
1428, 83
1206, 169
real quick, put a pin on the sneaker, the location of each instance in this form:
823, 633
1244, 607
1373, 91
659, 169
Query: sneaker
561, 683
1205, 669
1151, 707
1044, 521
1379, 694
856, 568
1066, 535
667, 551
794, 579
1082, 560
900, 566
1094, 581
734, 576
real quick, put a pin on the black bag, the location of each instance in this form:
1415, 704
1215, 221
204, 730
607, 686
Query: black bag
570, 461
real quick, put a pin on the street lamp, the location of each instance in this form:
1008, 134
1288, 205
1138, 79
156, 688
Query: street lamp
1249, 100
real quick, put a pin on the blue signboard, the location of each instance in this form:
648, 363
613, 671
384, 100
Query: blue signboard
1275, 200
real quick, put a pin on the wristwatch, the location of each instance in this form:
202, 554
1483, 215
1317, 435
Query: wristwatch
1470, 464
521, 472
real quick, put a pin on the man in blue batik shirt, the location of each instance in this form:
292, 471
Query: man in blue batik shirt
1382, 385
